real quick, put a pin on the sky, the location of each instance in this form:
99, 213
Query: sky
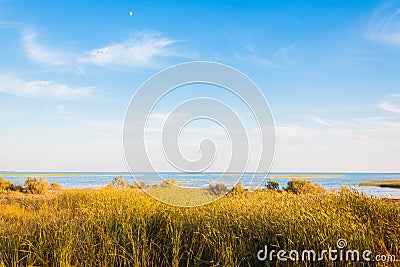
328, 69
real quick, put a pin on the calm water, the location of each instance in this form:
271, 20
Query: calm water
101, 179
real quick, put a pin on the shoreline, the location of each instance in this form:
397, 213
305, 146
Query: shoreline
328, 181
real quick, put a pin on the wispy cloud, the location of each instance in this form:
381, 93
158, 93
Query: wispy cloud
384, 25
325, 122
374, 119
252, 56
320, 121
284, 52
145, 49
142, 50
359, 146
43, 54
389, 107
41, 89
390, 103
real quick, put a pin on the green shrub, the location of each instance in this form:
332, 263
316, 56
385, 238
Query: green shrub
217, 189
272, 185
297, 186
5, 186
36, 186
31, 186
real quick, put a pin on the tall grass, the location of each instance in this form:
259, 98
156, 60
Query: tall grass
128, 228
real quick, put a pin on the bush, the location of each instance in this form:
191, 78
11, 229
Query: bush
5, 186
31, 186
297, 187
167, 183
36, 186
118, 182
217, 189
237, 189
272, 185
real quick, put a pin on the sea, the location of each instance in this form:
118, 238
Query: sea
91, 180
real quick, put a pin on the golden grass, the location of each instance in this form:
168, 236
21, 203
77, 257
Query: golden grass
129, 228
181, 196
382, 183
305, 175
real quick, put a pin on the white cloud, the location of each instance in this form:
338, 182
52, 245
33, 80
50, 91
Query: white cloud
371, 145
79, 144
389, 107
385, 24
320, 121
41, 88
325, 122
143, 50
43, 54
369, 120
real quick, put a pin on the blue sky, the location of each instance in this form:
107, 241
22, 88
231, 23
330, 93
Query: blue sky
329, 70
